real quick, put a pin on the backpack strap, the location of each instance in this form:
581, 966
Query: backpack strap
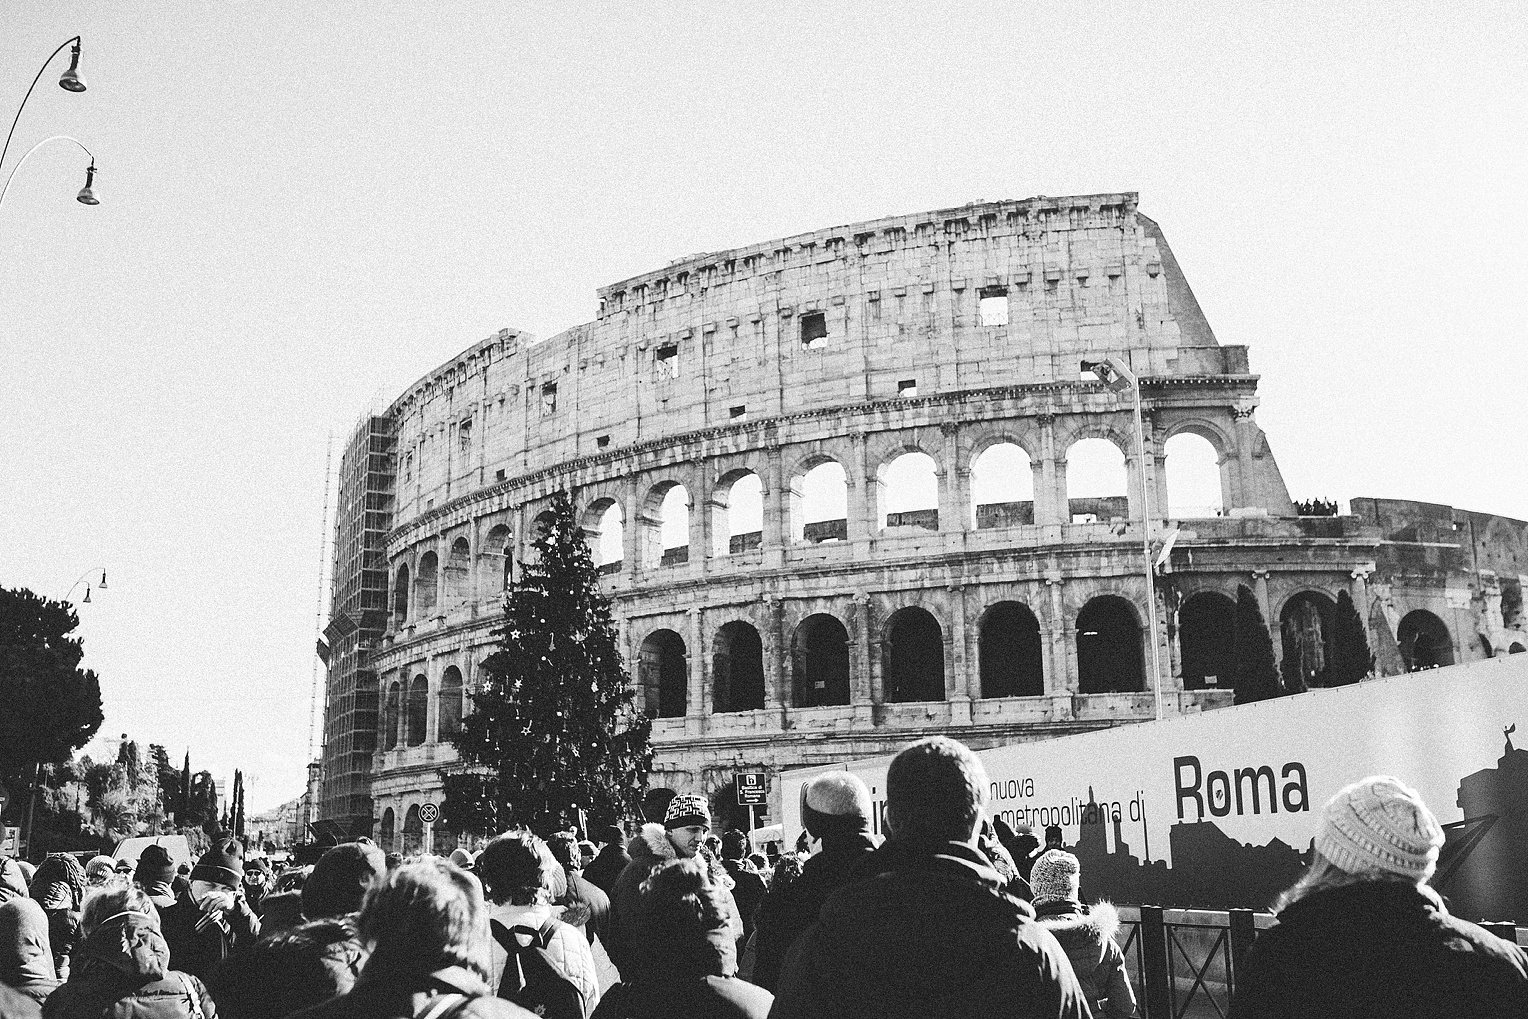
443, 1006
195, 998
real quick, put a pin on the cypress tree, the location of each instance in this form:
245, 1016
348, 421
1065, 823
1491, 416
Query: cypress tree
1256, 677
554, 724
1351, 658
183, 809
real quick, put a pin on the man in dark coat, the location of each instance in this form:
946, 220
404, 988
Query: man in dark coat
748, 887
612, 859
211, 918
927, 928
835, 808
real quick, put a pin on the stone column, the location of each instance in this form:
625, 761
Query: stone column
1358, 590
1244, 432
1058, 674
697, 681
777, 656
955, 511
631, 531
1050, 485
864, 521
1260, 588
777, 521
698, 488
958, 681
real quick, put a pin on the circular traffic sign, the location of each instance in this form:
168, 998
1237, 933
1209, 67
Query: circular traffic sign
428, 812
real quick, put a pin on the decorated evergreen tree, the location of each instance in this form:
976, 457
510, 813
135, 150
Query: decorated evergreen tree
1351, 658
554, 726
1256, 677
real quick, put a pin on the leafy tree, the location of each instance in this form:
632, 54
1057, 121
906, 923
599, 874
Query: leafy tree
1351, 658
49, 706
554, 725
1256, 677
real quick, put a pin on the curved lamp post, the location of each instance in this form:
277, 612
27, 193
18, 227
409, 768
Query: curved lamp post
69, 81
1115, 374
101, 586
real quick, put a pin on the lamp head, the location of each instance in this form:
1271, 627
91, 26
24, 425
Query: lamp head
87, 194
70, 80
87, 595
102, 584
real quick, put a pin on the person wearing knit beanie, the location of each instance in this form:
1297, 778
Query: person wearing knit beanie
837, 803
211, 918
223, 865
687, 821
1380, 825
155, 874
100, 870
1055, 877
1362, 934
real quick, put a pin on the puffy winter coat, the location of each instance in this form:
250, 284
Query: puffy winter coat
122, 971
1379, 949
695, 978
391, 995
568, 950
928, 931
647, 849
786, 912
289, 969
1087, 936
26, 958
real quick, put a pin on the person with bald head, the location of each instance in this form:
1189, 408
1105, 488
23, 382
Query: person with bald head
835, 810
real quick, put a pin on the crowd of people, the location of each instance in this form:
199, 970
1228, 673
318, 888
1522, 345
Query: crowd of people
950, 915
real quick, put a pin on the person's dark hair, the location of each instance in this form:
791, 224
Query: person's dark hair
514, 869
288, 970
655, 804
340, 879
425, 916
734, 845
566, 851
611, 835
685, 923
759, 861
1053, 833
935, 789
787, 869
63, 868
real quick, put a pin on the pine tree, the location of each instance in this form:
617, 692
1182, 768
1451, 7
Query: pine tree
236, 811
183, 807
1256, 677
1351, 658
554, 725
167, 776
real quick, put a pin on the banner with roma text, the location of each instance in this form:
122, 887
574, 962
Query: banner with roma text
1218, 810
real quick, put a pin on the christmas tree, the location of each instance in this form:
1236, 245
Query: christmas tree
1256, 677
1351, 658
554, 728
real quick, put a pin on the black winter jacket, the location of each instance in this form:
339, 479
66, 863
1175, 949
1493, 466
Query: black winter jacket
122, 972
605, 868
1087, 935
399, 995
198, 952
928, 931
1379, 949
787, 912
649, 849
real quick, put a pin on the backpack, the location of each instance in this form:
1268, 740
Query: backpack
532, 979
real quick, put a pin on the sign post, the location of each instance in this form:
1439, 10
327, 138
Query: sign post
752, 791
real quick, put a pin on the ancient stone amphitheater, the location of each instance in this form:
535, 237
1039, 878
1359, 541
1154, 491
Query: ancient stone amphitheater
833, 482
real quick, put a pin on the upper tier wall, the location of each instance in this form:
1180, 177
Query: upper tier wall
718, 337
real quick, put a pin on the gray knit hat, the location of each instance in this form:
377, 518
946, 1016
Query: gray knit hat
1051, 876
687, 809
1379, 823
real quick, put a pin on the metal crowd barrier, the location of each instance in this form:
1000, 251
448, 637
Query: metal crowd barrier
1183, 962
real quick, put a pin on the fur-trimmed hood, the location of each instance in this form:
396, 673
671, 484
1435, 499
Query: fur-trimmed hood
1070, 923
652, 848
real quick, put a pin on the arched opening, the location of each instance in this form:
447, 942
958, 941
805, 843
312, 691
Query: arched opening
1109, 653
737, 668
541, 526
1207, 641
413, 832
1002, 487
1515, 648
425, 584
452, 702
737, 513
666, 526
912, 662
819, 662
1424, 641
418, 711
493, 563
1009, 652
401, 599
387, 829
907, 492
1305, 628
392, 725
1193, 477
664, 674
820, 504
458, 573
605, 533
1097, 483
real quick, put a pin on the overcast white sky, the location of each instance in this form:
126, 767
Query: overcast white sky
300, 216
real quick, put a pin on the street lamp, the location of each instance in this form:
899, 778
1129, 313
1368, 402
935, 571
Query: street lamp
69, 81
101, 586
1115, 374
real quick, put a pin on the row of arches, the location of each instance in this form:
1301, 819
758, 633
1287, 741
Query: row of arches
406, 710
1010, 657
409, 838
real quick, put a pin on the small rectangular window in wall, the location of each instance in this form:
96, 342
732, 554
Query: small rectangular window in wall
668, 360
602, 441
548, 398
464, 436
498, 475
737, 413
994, 306
907, 387
814, 330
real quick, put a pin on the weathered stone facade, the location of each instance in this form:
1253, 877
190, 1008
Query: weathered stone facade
814, 639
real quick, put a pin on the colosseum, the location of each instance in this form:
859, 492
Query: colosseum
852, 487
